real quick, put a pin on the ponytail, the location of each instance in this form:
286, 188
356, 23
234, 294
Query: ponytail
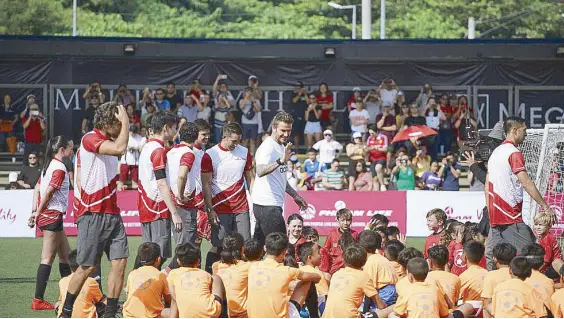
53, 146
232, 246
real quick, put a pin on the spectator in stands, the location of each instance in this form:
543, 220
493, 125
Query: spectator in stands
8, 120
150, 109
404, 174
88, 119
388, 90
363, 178
30, 172
325, 99
196, 90
463, 105
12, 181
386, 123
312, 116
465, 123
94, 89
145, 101
400, 101
253, 84
372, 103
401, 115
129, 163
33, 126
446, 132
421, 161
377, 145
189, 109
175, 100
221, 110
204, 107
312, 168
359, 119
334, 178
475, 184
328, 148
450, 173
124, 96
430, 180
298, 108
160, 101
356, 151
220, 87
134, 119
250, 107
351, 102
414, 118
293, 175
423, 98
433, 118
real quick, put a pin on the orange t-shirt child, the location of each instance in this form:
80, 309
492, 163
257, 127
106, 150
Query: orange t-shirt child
472, 283
146, 287
85, 304
346, 292
192, 290
235, 278
422, 300
450, 283
516, 299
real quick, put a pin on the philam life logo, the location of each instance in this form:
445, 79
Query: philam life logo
309, 212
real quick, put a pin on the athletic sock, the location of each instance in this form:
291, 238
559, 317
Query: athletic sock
69, 303
64, 270
210, 259
43, 273
111, 308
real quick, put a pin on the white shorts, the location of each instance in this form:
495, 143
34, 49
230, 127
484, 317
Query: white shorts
312, 128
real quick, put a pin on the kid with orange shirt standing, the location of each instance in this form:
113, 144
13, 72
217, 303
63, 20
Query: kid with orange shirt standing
147, 286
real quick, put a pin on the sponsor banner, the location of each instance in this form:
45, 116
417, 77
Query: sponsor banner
539, 107
15, 209
462, 206
127, 201
492, 107
323, 206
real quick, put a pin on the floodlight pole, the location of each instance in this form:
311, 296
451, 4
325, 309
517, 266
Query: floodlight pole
74, 17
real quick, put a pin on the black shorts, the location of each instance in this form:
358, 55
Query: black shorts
298, 127
56, 226
457, 314
373, 166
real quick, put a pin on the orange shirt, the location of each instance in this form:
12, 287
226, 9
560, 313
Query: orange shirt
449, 282
558, 303
145, 289
515, 299
348, 288
422, 300
192, 290
235, 278
322, 286
543, 285
400, 272
85, 304
269, 283
380, 270
472, 283
492, 279
402, 285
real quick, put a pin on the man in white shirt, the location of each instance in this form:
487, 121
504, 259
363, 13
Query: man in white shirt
388, 92
270, 183
328, 148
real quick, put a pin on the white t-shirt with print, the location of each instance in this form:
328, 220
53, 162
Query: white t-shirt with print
270, 190
355, 115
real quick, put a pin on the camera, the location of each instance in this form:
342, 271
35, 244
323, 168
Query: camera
34, 113
481, 144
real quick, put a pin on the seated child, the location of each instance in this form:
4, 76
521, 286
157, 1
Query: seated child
503, 254
89, 303
438, 258
392, 251
344, 218
403, 258
379, 268
312, 169
436, 219
349, 286
269, 282
311, 235
472, 280
195, 293
553, 251
514, 298
234, 273
147, 286
311, 259
540, 282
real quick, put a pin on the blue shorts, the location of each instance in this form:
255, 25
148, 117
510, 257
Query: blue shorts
388, 294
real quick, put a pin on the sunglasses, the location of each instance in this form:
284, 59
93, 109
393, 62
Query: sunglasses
328, 135
33, 158
403, 161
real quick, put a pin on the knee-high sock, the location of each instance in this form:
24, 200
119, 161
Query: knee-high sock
64, 270
43, 273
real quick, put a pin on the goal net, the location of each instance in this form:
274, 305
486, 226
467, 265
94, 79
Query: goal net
543, 150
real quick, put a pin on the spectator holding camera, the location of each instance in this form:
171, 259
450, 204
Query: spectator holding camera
94, 89
129, 163
423, 98
253, 85
160, 101
433, 118
134, 119
220, 87
377, 147
8, 120
146, 100
421, 161
386, 123
465, 125
388, 90
313, 125
250, 107
372, 104
446, 130
196, 89
298, 108
175, 100
325, 99
88, 119
221, 109
33, 125
124, 96
404, 174
450, 173
189, 109
204, 108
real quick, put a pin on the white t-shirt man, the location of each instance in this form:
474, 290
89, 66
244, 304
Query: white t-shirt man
359, 117
270, 190
387, 96
327, 150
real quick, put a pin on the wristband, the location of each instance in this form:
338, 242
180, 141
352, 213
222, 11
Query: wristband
279, 162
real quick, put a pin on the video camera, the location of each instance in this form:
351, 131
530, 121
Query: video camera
481, 144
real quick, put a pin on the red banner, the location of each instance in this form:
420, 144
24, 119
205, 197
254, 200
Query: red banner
127, 201
323, 207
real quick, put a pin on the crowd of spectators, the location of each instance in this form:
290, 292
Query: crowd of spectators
374, 117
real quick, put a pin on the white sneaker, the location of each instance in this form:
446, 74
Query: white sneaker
383, 188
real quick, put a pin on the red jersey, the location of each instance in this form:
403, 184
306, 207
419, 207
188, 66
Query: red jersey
455, 260
335, 254
98, 177
552, 250
380, 140
300, 241
325, 114
431, 241
33, 133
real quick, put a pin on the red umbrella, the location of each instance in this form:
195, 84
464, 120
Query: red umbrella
418, 131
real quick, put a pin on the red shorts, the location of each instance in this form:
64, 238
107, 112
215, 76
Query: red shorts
203, 229
125, 170
50, 220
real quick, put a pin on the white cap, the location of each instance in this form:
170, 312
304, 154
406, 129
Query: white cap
357, 135
328, 132
356, 88
253, 77
12, 177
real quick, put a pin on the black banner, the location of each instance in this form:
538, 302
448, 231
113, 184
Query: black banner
539, 107
493, 106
